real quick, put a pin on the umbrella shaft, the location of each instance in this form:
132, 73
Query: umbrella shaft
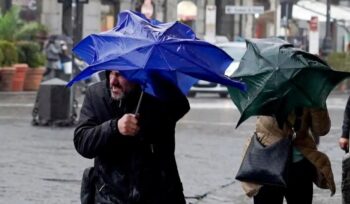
139, 103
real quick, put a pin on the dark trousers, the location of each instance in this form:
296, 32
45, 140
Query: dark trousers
299, 187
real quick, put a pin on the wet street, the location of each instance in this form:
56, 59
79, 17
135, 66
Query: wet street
40, 165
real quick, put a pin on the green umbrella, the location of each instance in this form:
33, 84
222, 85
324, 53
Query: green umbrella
281, 78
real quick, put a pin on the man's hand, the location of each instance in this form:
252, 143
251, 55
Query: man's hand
127, 125
344, 144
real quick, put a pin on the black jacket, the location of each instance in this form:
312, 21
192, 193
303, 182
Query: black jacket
129, 170
346, 120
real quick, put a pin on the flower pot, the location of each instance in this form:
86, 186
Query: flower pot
33, 79
19, 77
6, 78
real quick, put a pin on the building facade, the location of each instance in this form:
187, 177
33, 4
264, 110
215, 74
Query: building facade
99, 15
208, 18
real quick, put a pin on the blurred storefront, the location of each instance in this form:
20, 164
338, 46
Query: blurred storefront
100, 15
95, 15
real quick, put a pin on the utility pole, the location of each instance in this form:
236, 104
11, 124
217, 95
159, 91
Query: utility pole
240, 20
327, 41
74, 38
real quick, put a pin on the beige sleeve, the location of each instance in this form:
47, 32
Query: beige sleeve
320, 121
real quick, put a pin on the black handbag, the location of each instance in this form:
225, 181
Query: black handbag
266, 165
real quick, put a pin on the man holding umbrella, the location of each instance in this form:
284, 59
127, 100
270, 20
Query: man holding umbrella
134, 153
128, 123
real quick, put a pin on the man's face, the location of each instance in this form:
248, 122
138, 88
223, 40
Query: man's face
119, 86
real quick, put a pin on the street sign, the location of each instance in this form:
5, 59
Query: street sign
244, 9
70, 1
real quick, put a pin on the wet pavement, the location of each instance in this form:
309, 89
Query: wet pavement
40, 164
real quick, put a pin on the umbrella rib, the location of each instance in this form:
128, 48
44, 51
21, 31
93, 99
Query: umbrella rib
296, 86
259, 92
121, 55
149, 55
187, 59
300, 88
122, 38
165, 32
164, 58
173, 25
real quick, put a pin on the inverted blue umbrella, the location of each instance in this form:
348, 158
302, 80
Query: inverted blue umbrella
145, 51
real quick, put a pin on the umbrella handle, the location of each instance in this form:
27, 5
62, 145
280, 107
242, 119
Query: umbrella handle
139, 103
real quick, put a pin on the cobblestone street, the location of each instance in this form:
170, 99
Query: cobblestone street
40, 165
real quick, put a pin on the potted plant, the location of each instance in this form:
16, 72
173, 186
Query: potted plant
7, 71
30, 54
1, 62
10, 23
21, 68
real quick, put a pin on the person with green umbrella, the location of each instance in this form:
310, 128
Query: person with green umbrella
287, 89
308, 165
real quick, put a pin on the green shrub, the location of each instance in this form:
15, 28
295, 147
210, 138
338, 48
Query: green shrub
10, 23
31, 31
339, 61
1, 58
39, 60
29, 53
9, 52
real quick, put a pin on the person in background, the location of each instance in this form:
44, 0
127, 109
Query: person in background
52, 52
133, 152
344, 138
307, 166
65, 59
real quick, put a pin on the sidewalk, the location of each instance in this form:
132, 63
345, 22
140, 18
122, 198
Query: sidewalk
24, 97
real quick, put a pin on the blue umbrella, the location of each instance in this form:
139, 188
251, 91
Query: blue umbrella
145, 50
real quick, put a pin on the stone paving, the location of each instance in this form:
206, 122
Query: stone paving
40, 165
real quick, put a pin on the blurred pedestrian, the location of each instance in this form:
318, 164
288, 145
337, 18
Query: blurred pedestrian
307, 164
52, 52
344, 138
133, 152
65, 59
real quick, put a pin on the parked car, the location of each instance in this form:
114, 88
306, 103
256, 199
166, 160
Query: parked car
236, 50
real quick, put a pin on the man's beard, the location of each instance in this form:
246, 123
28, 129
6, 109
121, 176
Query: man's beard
124, 93
117, 97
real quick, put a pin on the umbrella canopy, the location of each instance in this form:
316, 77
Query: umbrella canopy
280, 78
143, 50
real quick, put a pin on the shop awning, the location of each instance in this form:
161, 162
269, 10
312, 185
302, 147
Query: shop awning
305, 9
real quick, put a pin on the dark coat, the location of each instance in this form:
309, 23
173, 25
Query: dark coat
346, 120
131, 170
